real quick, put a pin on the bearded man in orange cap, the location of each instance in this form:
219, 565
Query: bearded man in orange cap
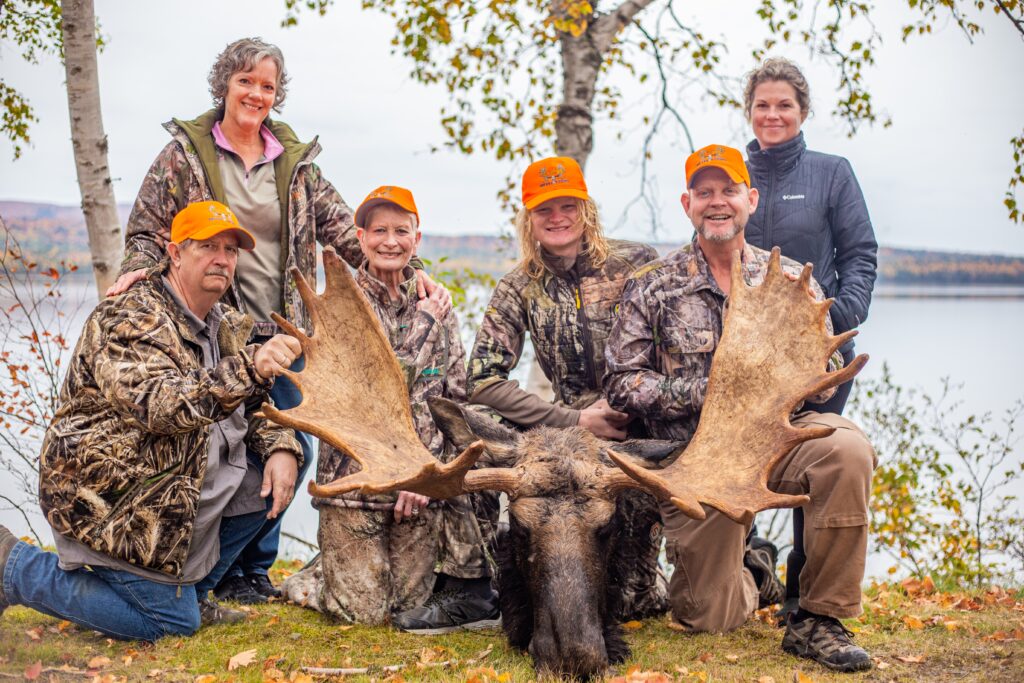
144, 472
659, 357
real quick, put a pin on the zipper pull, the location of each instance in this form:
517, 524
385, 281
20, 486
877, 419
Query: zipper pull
579, 304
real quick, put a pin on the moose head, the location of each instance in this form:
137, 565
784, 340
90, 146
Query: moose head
563, 484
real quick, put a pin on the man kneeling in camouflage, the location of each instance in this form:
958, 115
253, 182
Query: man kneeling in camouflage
659, 359
144, 473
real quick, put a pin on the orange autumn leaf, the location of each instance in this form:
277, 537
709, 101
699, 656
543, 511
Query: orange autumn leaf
205, 678
632, 625
801, 677
98, 662
912, 622
35, 634
706, 657
912, 659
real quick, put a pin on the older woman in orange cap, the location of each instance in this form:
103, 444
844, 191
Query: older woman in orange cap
563, 292
377, 552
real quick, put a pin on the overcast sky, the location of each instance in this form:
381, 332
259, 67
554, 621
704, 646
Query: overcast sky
935, 179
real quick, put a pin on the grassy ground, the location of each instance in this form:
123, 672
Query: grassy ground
914, 633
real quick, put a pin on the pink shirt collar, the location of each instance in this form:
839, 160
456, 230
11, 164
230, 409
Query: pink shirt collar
272, 148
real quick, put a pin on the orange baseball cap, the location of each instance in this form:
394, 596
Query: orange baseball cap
387, 194
550, 178
203, 220
718, 156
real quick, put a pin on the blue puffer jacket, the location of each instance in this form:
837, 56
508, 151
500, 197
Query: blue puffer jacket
812, 208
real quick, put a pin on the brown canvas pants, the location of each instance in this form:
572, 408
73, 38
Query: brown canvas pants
711, 591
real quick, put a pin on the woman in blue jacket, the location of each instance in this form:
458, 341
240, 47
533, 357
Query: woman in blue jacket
811, 205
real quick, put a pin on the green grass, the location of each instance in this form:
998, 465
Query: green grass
937, 639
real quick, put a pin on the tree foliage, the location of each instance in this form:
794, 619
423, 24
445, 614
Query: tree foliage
33, 27
528, 77
942, 501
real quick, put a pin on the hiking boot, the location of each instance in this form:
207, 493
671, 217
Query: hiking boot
7, 543
261, 584
826, 641
237, 589
447, 611
760, 559
212, 614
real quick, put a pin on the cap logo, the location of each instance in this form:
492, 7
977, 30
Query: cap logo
224, 216
552, 175
709, 155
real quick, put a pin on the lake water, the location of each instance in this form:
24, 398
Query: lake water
974, 341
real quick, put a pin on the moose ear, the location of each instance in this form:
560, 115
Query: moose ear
651, 451
463, 425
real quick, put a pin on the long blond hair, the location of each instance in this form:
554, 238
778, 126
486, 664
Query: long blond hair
595, 244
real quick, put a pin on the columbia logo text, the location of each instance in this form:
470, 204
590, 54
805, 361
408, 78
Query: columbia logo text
787, 197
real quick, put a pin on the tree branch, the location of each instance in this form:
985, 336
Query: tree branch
1017, 23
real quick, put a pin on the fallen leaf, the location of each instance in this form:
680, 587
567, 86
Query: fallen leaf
801, 677
272, 675
879, 664
243, 658
273, 620
33, 670
674, 625
706, 657
345, 627
912, 622
300, 677
98, 662
1005, 636
632, 625
765, 679
912, 659
63, 626
35, 634
155, 673
271, 661
732, 658
205, 678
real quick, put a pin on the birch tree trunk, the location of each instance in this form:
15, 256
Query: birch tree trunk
581, 65
90, 142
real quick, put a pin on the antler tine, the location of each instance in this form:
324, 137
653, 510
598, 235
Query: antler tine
348, 360
634, 475
772, 355
504, 479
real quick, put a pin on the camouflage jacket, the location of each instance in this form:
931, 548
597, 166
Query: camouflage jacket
186, 171
661, 345
124, 457
568, 315
433, 361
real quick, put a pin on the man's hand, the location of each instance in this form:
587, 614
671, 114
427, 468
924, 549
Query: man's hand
409, 505
276, 356
426, 287
604, 422
124, 283
279, 474
438, 304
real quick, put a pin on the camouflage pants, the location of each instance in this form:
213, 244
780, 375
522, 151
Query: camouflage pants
468, 525
369, 567
641, 583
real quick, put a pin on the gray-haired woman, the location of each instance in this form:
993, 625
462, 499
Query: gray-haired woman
236, 154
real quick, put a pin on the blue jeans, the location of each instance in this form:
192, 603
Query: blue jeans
117, 603
259, 555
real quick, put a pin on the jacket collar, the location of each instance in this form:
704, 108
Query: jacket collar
199, 132
378, 291
780, 158
699, 270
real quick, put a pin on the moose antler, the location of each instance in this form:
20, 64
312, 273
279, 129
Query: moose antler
355, 398
772, 355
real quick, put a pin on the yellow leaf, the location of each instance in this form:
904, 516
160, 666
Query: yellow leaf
205, 678
912, 659
243, 658
300, 677
801, 677
273, 620
732, 658
765, 679
98, 662
632, 625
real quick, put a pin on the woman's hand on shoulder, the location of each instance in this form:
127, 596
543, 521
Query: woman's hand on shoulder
438, 304
124, 283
